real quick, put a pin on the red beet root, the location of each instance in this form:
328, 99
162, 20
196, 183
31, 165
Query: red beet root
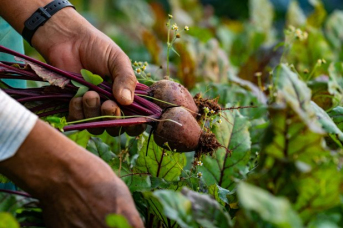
185, 138
173, 93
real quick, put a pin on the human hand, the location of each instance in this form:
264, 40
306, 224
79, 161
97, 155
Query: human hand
69, 42
75, 188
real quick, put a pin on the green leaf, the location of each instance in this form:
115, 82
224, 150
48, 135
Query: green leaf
234, 134
137, 182
80, 137
159, 162
8, 221
3, 85
318, 16
99, 148
91, 78
82, 89
327, 123
333, 29
57, 122
8, 203
175, 206
261, 14
116, 144
295, 15
337, 116
175, 51
117, 221
293, 153
318, 190
275, 210
206, 211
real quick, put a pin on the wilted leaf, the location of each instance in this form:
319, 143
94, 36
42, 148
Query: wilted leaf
47, 75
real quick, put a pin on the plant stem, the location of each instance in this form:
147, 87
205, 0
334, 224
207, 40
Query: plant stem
16, 193
44, 97
168, 49
58, 71
112, 123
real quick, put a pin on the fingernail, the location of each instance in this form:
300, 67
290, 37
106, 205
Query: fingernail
126, 95
92, 102
77, 103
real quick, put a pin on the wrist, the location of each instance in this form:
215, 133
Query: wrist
63, 27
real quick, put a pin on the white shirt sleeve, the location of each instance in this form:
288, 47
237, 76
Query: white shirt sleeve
16, 122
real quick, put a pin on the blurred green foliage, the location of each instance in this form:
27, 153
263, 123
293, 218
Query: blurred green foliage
284, 163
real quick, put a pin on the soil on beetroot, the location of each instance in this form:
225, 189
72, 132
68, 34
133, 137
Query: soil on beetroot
202, 103
207, 144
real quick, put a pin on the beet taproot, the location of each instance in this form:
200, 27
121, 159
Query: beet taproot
185, 137
173, 93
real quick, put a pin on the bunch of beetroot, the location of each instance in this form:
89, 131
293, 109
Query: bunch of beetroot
172, 111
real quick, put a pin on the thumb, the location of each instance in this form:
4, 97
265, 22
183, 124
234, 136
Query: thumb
124, 79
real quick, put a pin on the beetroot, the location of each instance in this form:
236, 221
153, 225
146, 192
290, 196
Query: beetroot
185, 138
173, 93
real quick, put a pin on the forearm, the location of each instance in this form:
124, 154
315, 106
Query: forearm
41, 160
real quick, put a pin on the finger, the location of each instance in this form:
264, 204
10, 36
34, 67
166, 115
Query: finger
135, 130
91, 108
124, 79
110, 108
75, 109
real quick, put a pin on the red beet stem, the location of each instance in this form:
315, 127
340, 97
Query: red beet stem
21, 92
112, 123
140, 110
143, 87
44, 97
152, 106
47, 105
59, 71
16, 193
53, 112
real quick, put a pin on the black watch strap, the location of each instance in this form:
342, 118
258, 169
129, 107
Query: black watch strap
40, 16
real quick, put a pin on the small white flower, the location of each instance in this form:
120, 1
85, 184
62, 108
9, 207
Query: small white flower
175, 27
206, 110
199, 174
199, 163
258, 74
219, 121
170, 16
186, 28
212, 111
